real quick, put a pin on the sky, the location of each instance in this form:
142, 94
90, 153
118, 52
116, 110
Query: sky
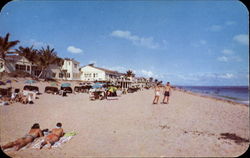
184, 42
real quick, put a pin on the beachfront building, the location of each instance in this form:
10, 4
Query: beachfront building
2, 65
15, 62
92, 73
141, 82
69, 70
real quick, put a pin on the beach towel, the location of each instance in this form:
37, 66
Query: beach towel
67, 136
37, 142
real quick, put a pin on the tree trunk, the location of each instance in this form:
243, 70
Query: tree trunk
40, 73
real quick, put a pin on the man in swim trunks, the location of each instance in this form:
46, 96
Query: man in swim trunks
167, 90
54, 136
34, 132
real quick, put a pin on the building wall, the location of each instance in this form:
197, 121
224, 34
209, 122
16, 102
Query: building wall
89, 73
1, 65
72, 68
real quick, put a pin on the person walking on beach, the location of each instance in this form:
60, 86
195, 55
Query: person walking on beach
34, 132
54, 136
157, 94
167, 90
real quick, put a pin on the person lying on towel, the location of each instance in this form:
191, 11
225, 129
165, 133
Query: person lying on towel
54, 136
34, 132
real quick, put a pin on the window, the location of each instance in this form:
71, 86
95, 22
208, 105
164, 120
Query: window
75, 65
68, 75
20, 67
53, 74
28, 68
60, 75
1, 65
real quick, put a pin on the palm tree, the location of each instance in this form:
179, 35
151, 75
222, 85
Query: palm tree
28, 52
151, 79
130, 73
6, 45
47, 57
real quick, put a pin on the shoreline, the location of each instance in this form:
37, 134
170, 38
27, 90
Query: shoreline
214, 97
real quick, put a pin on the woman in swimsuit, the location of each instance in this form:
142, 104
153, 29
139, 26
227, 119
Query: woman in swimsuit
157, 94
34, 132
167, 90
54, 136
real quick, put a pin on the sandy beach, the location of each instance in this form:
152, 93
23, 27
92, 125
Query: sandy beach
190, 125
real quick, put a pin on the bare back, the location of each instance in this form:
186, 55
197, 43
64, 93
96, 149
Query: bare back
57, 131
167, 88
35, 133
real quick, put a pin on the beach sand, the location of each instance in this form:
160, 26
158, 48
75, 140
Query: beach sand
190, 125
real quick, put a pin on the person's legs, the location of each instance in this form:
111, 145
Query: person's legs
163, 101
11, 144
154, 100
43, 143
167, 99
157, 99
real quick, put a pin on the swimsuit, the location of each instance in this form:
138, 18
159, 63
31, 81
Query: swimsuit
29, 135
157, 93
166, 93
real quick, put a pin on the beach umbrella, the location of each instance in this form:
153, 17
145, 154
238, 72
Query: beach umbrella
112, 89
2, 83
9, 81
30, 81
65, 85
97, 85
53, 84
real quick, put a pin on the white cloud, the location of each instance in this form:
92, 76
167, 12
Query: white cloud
223, 59
230, 23
215, 28
229, 58
242, 39
37, 44
147, 73
226, 76
227, 51
74, 50
136, 40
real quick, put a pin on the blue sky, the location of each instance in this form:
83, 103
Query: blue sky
185, 42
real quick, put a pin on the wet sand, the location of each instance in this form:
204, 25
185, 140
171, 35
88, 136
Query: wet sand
190, 125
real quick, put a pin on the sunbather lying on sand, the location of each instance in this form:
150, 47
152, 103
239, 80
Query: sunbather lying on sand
54, 136
34, 132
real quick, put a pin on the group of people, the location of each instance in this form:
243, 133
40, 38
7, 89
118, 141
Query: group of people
23, 97
35, 132
166, 93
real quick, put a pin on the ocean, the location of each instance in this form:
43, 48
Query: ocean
238, 94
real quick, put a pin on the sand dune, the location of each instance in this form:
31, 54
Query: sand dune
130, 126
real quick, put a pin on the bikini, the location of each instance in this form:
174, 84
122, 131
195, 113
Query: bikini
30, 136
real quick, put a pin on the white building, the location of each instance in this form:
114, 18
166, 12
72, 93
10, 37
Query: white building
92, 73
2, 68
18, 63
69, 70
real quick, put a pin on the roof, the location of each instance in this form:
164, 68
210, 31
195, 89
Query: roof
103, 69
13, 57
73, 60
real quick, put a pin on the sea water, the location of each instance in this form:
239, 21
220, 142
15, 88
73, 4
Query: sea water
238, 94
